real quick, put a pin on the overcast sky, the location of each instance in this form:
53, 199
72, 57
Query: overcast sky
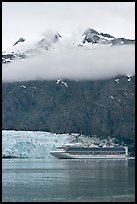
30, 19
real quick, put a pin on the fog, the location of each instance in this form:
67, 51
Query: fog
73, 63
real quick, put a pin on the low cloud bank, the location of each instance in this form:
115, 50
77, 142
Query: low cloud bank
77, 63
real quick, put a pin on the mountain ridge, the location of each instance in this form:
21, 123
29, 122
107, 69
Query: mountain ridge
89, 36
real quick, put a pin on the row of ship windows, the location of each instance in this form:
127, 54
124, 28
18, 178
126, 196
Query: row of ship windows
96, 153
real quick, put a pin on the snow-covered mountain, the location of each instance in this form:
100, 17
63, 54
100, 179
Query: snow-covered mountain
90, 38
22, 48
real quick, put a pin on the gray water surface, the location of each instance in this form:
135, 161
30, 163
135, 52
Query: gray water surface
41, 180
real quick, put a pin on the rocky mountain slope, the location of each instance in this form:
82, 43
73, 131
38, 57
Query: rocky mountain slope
103, 108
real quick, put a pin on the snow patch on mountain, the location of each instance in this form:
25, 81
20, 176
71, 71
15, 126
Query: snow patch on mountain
117, 80
129, 76
60, 81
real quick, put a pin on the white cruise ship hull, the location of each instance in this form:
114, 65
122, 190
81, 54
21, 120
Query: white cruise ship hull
67, 155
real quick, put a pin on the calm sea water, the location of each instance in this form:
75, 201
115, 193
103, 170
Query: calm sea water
41, 180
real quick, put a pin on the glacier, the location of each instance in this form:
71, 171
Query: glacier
37, 144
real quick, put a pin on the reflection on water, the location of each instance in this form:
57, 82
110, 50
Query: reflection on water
68, 180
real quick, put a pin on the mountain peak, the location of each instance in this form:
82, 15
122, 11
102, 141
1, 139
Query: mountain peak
50, 38
19, 40
90, 31
92, 36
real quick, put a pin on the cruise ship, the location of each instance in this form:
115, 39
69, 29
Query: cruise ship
90, 152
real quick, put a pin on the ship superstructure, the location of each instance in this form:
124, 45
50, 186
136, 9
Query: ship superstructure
90, 152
